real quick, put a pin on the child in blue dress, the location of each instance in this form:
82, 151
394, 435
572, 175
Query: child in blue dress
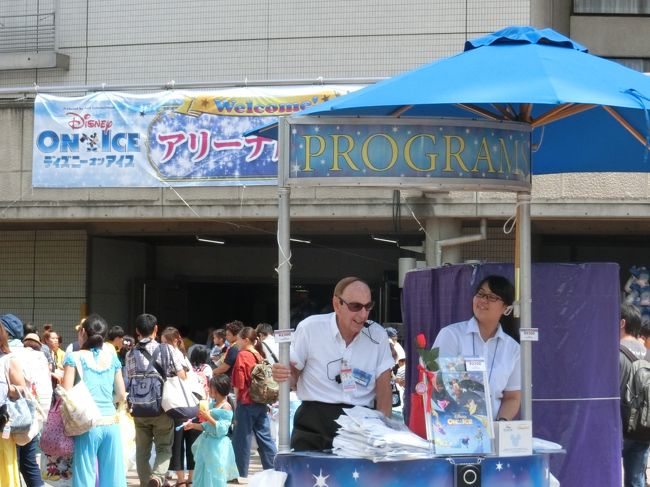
213, 454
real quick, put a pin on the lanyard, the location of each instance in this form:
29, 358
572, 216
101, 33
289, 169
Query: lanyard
496, 347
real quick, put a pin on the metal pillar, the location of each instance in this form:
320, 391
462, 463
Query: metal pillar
284, 275
523, 277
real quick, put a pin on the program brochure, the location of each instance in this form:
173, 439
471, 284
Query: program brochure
459, 415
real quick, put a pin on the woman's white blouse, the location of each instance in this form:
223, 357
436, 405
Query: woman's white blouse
501, 354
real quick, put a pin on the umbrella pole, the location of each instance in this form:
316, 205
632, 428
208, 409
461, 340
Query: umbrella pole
284, 276
523, 293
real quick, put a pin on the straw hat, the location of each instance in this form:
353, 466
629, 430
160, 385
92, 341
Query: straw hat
33, 337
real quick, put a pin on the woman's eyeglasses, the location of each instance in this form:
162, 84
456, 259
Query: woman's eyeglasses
354, 307
492, 298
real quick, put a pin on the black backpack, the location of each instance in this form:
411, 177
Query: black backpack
146, 385
635, 399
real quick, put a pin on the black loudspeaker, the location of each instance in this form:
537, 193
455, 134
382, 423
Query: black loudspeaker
467, 475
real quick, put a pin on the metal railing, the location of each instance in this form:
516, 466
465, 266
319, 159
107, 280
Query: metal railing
27, 33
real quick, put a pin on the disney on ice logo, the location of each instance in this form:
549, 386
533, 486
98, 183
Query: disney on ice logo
80, 121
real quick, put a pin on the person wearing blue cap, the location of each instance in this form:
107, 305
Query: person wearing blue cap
27, 453
14, 327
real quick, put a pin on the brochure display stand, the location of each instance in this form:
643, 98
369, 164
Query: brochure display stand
319, 469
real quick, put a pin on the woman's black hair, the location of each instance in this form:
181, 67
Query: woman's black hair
503, 288
96, 328
500, 286
221, 384
200, 355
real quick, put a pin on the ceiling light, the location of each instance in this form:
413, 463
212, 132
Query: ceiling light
387, 240
210, 240
300, 240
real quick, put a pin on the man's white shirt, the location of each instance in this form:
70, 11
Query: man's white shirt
318, 350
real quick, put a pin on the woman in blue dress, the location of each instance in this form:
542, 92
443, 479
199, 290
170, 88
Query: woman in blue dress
213, 454
101, 446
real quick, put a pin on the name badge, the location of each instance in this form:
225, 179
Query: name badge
361, 377
474, 364
347, 379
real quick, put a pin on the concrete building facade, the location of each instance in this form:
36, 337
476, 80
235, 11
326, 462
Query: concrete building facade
119, 251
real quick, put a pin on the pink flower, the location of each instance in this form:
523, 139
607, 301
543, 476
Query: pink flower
421, 340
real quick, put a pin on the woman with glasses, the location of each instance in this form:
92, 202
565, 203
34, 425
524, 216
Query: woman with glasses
483, 335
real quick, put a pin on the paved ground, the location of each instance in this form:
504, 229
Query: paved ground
255, 466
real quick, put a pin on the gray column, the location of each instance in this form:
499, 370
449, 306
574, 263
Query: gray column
284, 276
525, 302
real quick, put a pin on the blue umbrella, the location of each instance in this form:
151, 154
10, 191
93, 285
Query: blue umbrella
588, 114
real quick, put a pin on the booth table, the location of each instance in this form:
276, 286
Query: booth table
307, 469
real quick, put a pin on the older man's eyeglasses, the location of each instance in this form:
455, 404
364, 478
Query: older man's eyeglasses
492, 298
354, 307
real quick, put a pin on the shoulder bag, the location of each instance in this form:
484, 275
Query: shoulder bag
79, 410
177, 398
21, 411
275, 359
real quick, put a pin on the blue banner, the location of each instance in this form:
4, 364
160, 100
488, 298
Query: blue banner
177, 138
338, 151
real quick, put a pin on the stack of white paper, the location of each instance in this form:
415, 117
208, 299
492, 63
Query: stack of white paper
545, 446
365, 433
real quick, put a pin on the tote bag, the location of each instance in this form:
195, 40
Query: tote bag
178, 400
24, 436
21, 411
79, 410
54, 441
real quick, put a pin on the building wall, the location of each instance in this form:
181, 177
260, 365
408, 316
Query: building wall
115, 265
613, 37
157, 41
44, 277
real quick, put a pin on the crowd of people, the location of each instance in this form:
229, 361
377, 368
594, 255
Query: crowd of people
210, 443
195, 450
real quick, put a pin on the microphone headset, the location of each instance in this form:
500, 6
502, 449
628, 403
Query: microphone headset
367, 325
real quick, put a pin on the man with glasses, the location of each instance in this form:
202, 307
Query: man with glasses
338, 360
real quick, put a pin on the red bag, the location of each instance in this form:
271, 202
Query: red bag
54, 442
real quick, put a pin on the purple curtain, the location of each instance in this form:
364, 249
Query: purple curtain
575, 361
